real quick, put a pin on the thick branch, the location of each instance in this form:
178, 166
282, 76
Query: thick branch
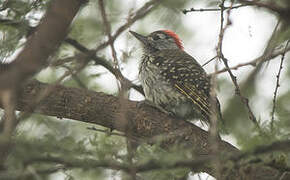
48, 36
145, 121
39, 46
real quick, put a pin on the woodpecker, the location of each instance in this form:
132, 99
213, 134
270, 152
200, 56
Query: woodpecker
173, 80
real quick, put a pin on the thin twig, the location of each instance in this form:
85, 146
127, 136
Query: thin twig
122, 92
277, 86
47, 91
225, 61
80, 162
209, 61
106, 131
103, 62
140, 13
185, 11
108, 32
35, 53
262, 149
213, 128
20, 174
268, 54
153, 164
116, 67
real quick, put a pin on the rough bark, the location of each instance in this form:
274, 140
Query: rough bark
39, 46
145, 122
98, 108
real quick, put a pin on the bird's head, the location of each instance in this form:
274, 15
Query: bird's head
158, 40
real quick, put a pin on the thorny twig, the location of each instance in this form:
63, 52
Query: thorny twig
225, 61
213, 127
150, 164
262, 149
277, 85
92, 163
253, 62
140, 13
47, 91
20, 174
153, 164
185, 11
108, 31
122, 92
26, 65
116, 67
103, 62
13, 121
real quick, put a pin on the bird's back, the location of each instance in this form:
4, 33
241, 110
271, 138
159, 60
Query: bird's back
174, 80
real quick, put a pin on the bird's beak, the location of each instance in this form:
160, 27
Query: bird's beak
140, 37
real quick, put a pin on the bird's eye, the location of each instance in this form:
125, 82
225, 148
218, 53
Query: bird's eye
156, 37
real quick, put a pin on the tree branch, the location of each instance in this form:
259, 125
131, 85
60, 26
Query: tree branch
146, 122
33, 57
185, 11
254, 62
221, 56
140, 13
103, 62
277, 86
42, 43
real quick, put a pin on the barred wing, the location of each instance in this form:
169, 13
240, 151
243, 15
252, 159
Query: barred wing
187, 76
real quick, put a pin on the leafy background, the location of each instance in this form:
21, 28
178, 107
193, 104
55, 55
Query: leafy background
245, 39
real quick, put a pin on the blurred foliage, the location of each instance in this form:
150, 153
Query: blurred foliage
16, 19
43, 136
